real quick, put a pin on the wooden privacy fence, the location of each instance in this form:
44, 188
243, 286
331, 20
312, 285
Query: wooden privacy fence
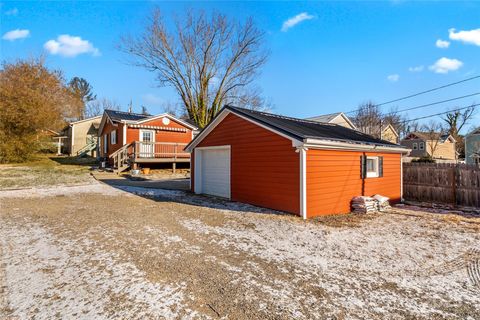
456, 184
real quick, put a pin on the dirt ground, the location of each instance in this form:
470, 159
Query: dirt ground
99, 251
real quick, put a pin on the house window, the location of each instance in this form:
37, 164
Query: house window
422, 146
372, 167
113, 137
105, 141
415, 146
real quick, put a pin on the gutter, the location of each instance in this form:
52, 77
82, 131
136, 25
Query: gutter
326, 144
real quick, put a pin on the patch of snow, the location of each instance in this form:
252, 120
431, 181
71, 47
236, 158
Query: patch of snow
94, 187
65, 279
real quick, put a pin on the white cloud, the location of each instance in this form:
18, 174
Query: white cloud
11, 12
445, 65
416, 69
16, 34
152, 100
70, 46
470, 37
442, 44
393, 77
293, 21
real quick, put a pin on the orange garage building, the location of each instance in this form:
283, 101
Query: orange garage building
299, 166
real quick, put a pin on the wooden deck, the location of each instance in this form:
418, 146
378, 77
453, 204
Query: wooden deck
138, 152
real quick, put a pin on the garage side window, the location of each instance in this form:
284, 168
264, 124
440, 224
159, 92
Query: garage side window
371, 167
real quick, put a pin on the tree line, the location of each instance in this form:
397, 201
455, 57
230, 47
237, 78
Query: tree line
210, 60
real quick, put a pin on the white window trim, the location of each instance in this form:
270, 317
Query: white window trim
415, 146
374, 174
421, 146
113, 137
141, 131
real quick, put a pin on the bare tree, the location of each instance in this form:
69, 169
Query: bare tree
433, 131
457, 119
371, 120
209, 60
96, 107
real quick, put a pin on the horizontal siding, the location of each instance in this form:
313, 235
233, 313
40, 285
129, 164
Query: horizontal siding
333, 179
264, 166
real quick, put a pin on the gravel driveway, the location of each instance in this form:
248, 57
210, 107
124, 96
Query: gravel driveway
101, 252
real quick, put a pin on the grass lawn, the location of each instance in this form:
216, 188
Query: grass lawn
45, 170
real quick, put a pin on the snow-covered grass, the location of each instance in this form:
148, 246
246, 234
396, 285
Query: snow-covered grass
68, 280
131, 252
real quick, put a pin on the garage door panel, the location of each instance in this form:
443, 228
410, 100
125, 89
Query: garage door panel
215, 172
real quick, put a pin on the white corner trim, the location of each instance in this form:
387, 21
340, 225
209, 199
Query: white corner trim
73, 139
303, 182
401, 178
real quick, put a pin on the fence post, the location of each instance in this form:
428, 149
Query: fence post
454, 184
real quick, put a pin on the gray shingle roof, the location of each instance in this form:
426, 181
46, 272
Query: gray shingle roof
128, 116
325, 117
301, 129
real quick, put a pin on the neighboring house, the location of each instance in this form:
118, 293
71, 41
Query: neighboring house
472, 147
388, 133
426, 144
300, 166
129, 139
80, 137
336, 118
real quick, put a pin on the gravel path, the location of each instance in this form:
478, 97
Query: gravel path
101, 252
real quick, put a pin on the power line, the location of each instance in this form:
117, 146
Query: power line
440, 113
420, 93
433, 103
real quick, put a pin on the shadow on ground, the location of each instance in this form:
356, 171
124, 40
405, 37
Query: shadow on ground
177, 190
75, 161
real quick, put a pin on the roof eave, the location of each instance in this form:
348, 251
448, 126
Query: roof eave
352, 145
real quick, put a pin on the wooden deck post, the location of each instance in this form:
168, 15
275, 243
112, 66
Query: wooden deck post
174, 167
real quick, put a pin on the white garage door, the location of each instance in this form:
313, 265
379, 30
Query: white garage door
214, 170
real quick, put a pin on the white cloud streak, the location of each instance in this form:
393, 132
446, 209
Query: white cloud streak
469, 37
11, 12
416, 69
293, 21
445, 65
442, 44
16, 34
393, 77
70, 46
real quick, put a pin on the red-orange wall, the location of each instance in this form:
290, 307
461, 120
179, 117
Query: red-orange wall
133, 134
333, 179
107, 129
264, 166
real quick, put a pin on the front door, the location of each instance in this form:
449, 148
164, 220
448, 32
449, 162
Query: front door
147, 143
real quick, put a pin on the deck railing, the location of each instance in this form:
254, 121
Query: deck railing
160, 150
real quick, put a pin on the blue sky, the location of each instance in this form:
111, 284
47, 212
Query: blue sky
333, 56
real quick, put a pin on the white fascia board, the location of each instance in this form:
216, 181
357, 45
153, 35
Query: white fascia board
338, 145
186, 124
344, 116
222, 115
83, 120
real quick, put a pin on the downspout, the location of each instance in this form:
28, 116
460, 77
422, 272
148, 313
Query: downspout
364, 172
303, 181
